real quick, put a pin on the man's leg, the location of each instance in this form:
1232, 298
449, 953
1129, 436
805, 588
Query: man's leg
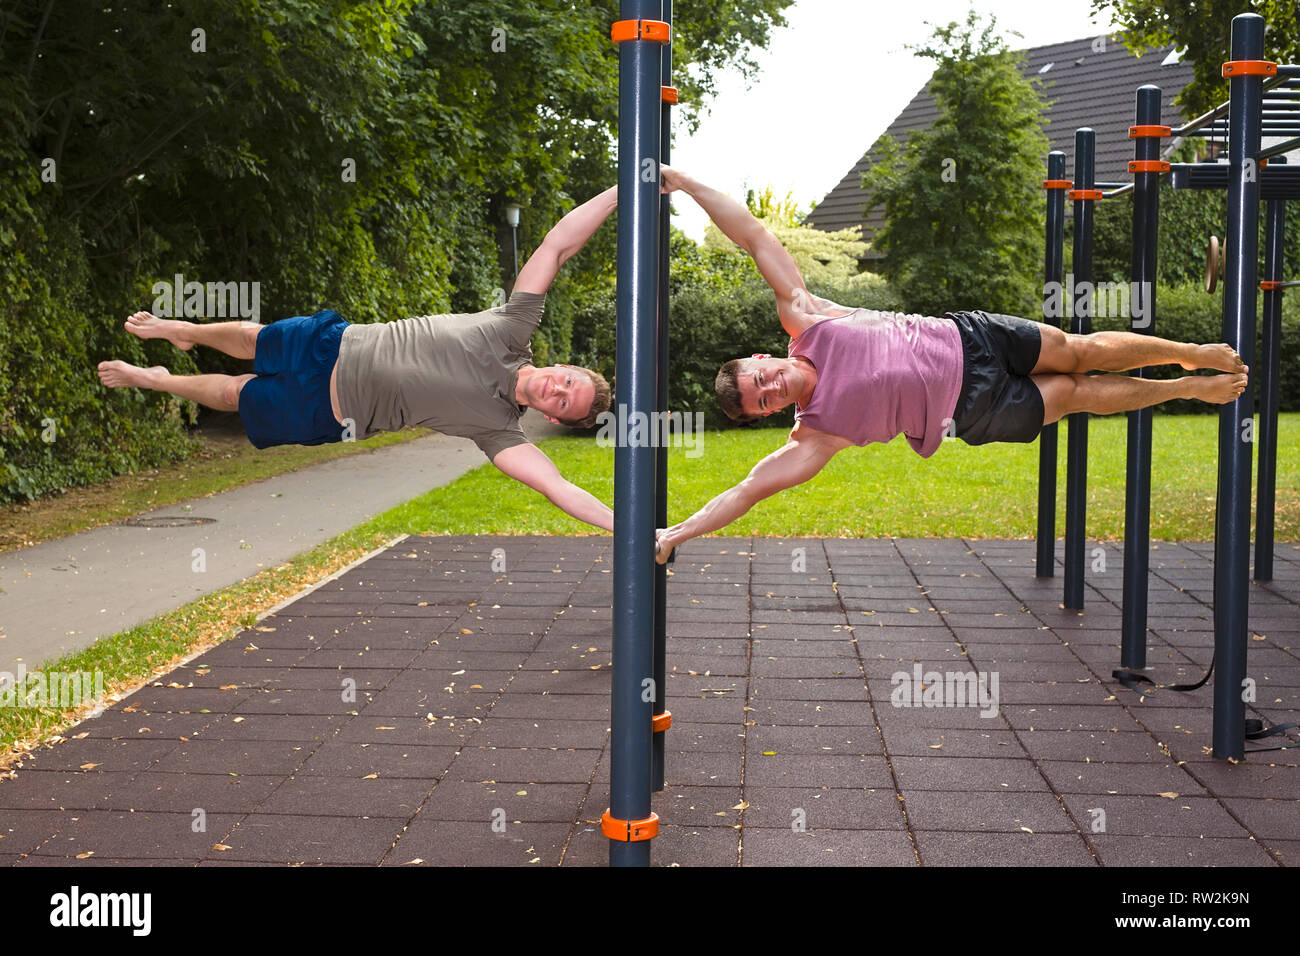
234, 338
215, 391
1107, 394
1119, 351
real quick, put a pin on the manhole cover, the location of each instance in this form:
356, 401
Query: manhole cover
167, 521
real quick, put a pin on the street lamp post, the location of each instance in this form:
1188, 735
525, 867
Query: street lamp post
512, 219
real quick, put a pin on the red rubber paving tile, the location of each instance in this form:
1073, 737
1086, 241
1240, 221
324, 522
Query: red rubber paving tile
98, 754
1002, 849
256, 757
857, 848
59, 790
1150, 777
1185, 815
1001, 774
929, 742
542, 732
213, 793
831, 770
456, 843
347, 759
479, 802
115, 834
23, 832
524, 766
369, 796
1006, 812
1157, 851
272, 838
822, 808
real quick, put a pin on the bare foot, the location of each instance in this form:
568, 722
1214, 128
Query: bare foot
1217, 389
116, 374
148, 326
1220, 356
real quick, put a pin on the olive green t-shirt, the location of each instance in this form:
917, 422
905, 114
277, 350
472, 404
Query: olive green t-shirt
453, 373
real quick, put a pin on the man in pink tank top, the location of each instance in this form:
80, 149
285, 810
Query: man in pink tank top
857, 376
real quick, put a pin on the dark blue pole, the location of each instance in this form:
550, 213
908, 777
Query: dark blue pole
661, 453
1076, 462
634, 465
1232, 515
1053, 272
1270, 366
1137, 485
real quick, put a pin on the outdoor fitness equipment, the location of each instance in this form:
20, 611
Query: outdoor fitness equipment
1264, 99
637, 715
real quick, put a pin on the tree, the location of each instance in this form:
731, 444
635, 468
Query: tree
339, 153
1204, 29
962, 201
823, 257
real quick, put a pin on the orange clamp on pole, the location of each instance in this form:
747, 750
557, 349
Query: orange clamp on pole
1148, 166
630, 831
656, 30
1141, 132
1250, 68
661, 722
668, 93
1085, 194
1270, 285
1057, 183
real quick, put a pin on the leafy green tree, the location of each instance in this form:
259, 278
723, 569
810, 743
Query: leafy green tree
962, 201
1204, 28
339, 153
822, 257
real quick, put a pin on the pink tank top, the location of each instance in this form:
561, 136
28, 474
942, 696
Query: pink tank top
881, 373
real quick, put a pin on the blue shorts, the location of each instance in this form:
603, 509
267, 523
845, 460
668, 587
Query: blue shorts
289, 401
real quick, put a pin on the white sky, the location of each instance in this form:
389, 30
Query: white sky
829, 84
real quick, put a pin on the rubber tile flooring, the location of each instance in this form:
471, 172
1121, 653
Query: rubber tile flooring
884, 702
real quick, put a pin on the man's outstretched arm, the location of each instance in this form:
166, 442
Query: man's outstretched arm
805, 454
793, 301
564, 241
529, 464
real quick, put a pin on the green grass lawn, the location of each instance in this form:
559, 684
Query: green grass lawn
990, 491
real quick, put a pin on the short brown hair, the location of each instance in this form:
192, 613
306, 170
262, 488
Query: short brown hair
599, 400
727, 388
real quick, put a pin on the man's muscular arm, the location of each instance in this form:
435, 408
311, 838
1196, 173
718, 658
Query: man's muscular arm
565, 240
529, 464
805, 454
793, 301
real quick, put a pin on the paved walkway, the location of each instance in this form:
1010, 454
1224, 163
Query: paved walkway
62, 596
477, 733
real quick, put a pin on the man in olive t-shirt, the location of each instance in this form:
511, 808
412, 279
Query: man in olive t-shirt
318, 378
453, 373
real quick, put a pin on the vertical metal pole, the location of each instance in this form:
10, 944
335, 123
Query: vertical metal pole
1076, 467
1232, 515
1053, 267
1137, 484
634, 465
1270, 365
661, 452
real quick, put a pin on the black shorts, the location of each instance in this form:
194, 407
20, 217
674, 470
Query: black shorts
998, 401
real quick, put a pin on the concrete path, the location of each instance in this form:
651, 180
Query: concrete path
63, 595
446, 702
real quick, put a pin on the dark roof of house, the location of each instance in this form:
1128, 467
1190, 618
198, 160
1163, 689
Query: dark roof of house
1096, 89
